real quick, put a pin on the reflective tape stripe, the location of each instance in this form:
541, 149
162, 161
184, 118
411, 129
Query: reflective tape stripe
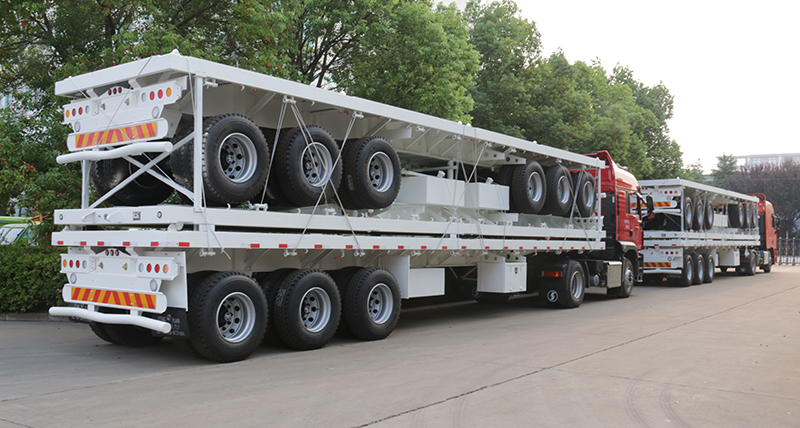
133, 300
111, 136
657, 264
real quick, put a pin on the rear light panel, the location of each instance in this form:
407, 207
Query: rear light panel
77, 263
114, 110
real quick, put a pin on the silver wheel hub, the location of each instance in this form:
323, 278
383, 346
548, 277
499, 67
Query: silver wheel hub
317, 164
381, 173
576, 284
238, 157
535, 186
315, 309
380, 304
236, 317
563, 189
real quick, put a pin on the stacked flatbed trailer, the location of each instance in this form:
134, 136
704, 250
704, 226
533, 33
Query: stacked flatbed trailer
306, 207
697, 228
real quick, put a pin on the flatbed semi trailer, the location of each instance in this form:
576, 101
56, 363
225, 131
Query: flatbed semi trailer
697, 228
302, 209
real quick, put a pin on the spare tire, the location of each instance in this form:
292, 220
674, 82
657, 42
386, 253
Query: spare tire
735, 215
144, 190
528, 191
585, 192
709, 220
699, 215
688, 213
371, 174
559, 191
748, 215
235, 161
305, 165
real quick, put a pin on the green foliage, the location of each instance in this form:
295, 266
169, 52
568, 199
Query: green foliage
419, 59
29, 278
576, 107
726, 168
693, 172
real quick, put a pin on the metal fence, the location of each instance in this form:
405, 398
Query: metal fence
788, 251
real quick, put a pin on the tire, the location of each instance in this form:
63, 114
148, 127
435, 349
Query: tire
559, 196
688, 214
489, 298
566, 292
304, 170
270, 284
699, 263
342, 279
371, 304
710, 270
527, 191
735, 215
628, 278
307, 309
687, 273
698, 221
371, 174
99, 329
235, 161
752, 264
227, 317
144, 190
748, 266
709, 218
585, 193
131, 335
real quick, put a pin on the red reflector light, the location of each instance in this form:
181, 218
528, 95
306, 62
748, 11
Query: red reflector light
80, 110
70, 263
158, 268
73, 112
552, 274
152, 96
149, 267
160, 93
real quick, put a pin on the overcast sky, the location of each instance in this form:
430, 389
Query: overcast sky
733, 67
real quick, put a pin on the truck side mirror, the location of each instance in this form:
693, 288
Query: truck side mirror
650, 206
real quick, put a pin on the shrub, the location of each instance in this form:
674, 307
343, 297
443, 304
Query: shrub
29, 278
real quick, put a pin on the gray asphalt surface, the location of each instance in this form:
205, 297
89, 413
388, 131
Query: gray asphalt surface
725, 354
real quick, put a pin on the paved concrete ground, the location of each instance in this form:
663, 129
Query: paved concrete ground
725, 354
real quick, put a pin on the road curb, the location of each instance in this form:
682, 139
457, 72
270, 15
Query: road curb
31, 317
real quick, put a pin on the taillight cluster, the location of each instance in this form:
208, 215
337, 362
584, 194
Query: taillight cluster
154, 268
112, 252
115, 91
156, 94
71, 263
76, 111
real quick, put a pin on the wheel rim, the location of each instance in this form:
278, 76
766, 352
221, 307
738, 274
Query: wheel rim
700, 214
535, 186
689, 269
381, 173
380, 303
628, 278
315, 309
236, 317
700, 269
237, 157
588, 194
688, 214
317, 164
710, 268
576, 284
563, 190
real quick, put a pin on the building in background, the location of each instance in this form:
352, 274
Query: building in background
774, 159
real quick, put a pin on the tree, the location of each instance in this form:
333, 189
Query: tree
693, 172
509, 45
419, 60
726, 168
779, 183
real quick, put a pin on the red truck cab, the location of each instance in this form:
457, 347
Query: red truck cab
623, 209
768, 226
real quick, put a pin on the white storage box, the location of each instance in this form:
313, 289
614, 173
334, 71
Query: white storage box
487, 196
419, 190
